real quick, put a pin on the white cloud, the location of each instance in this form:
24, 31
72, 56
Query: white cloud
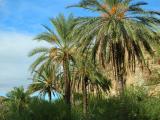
14, 62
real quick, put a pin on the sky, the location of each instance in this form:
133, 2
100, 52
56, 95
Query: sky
20, 22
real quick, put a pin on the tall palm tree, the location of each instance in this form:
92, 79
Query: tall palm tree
61, 51
45, 82
121, 31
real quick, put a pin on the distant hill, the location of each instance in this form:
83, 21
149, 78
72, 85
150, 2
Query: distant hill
1, 101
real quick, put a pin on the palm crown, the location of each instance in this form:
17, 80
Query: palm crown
61, 52
45, 82
119, 35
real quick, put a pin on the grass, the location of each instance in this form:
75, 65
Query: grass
133, 105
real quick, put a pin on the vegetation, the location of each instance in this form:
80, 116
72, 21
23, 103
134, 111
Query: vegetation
135, 104
86, 55
61, 51
119, 36
44, 83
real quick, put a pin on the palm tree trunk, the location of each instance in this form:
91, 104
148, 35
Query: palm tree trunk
73, 94
67, 94
50, 96
85, 98
121, 83
120, 87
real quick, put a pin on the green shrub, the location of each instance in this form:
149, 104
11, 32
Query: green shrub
151, 108
130, 106
134, 104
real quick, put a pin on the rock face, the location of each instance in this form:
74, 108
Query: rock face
143, 77
154, 90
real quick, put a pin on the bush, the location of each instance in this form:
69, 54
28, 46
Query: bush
43, 110
39, 109
151, 108
134, 104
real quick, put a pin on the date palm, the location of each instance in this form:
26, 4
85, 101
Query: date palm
121, 31
60, 53
18, 99
45, 82
87, 78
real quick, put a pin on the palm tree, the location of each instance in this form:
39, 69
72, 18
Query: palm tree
85, 75
19, 99
45, 83
121, 31
61, 51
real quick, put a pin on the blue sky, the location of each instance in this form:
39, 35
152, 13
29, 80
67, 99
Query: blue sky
20, 22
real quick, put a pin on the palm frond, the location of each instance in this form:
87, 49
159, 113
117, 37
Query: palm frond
39, 50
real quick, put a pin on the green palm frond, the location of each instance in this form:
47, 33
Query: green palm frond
121, 33
44, 82
47, 37
60, 37
38, 51
40, 60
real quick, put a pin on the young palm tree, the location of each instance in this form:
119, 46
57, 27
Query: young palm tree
61, 51
45, 83
121, 31
18, 99
85, 75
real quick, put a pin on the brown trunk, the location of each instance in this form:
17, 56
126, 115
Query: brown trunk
121, 84
120, 87
85, 98
50, 96
67, 94
73, 93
